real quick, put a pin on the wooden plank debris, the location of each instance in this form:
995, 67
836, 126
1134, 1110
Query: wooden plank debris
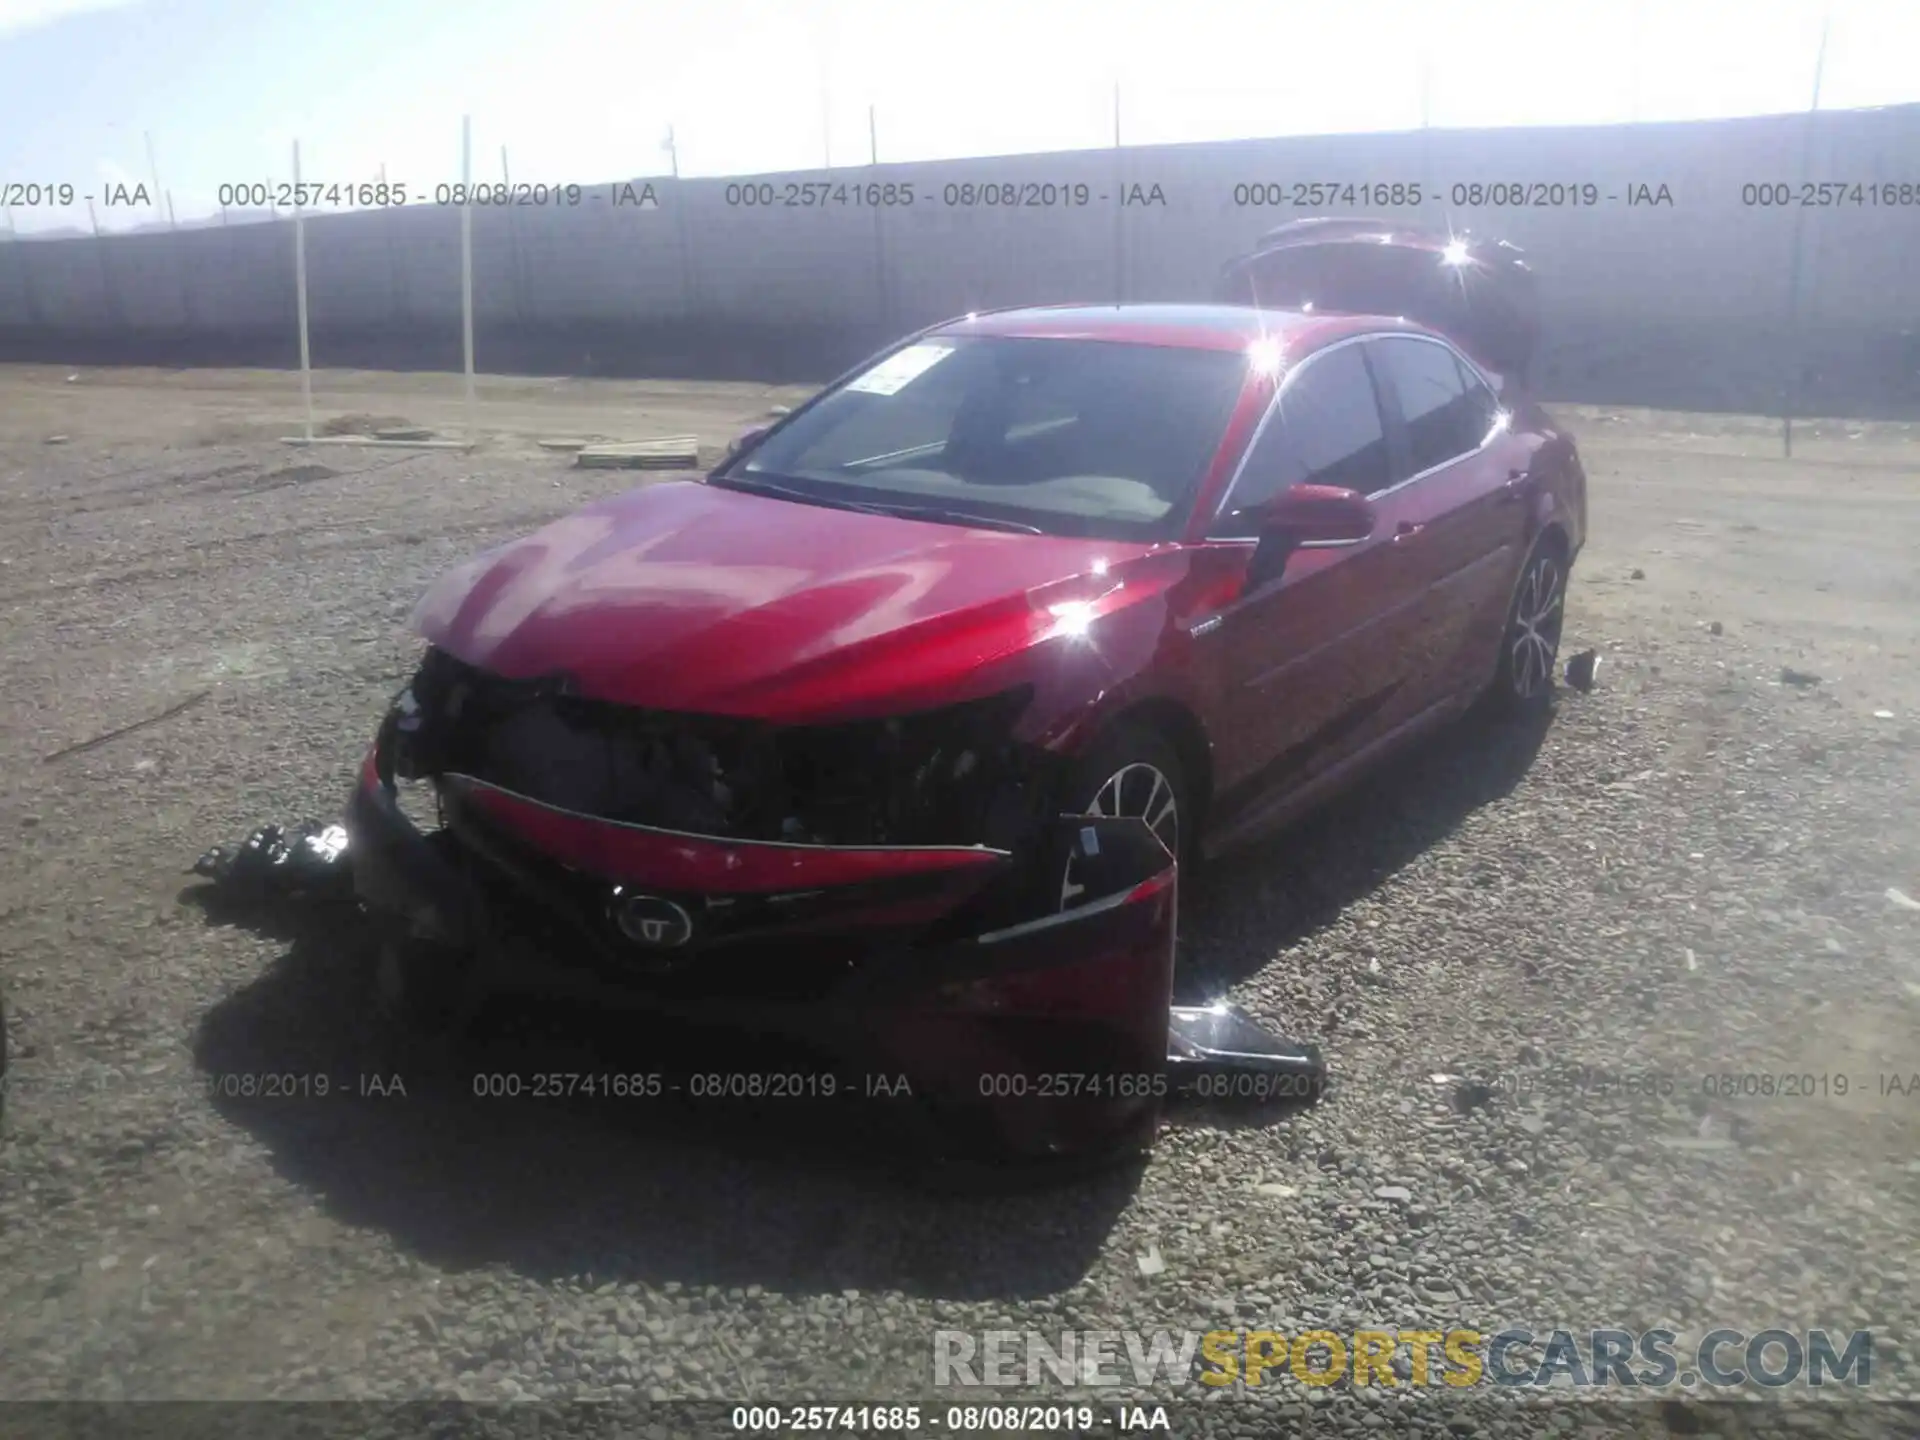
373, 444
674, 452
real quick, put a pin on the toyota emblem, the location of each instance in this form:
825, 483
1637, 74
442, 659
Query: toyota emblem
651, 921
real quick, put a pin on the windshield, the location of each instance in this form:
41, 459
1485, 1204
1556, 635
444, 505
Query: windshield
1063, 437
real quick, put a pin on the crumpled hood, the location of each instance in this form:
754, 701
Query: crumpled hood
686, 596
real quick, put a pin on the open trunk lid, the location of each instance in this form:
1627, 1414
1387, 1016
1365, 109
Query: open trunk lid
1478, 291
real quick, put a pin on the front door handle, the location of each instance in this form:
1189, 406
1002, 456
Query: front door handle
1406, 530
1514, 490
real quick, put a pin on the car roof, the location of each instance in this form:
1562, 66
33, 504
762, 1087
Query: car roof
1195, 327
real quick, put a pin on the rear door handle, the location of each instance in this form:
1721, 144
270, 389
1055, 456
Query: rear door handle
1514, 490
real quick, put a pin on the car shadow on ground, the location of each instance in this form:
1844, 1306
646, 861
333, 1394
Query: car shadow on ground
797, 1197
800, 1196
1243, 910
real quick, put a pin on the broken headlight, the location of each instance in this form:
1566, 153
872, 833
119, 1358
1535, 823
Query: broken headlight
952, 776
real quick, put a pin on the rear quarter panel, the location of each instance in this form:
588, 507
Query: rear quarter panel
1562, 496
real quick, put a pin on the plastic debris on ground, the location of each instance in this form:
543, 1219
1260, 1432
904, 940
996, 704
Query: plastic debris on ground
306, 858
1583, 669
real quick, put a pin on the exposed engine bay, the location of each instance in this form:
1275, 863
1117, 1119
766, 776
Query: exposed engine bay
952, 776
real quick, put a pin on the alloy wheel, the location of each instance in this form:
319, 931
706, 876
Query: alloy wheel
1533, 640
1138, 791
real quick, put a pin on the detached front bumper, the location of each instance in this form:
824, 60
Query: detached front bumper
1037, 1040
941, 975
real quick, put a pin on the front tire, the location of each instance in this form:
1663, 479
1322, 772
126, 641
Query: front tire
1132, 770
1530, 640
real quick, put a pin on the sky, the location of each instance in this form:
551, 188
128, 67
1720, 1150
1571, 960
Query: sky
585, 90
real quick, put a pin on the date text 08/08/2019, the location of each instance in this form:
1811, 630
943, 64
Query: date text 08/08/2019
332, 195
1590, 1083
951, 1420
1469, 195
216, 1085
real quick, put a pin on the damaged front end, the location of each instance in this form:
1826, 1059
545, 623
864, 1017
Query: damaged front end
882, 892
746, 828
951, 776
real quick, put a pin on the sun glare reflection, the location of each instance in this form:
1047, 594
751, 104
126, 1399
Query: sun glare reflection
1073, 619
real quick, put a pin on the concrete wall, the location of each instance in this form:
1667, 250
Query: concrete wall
1679, 303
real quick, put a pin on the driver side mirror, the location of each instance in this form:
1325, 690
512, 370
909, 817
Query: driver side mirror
1305, 515
746, 440
1316, 514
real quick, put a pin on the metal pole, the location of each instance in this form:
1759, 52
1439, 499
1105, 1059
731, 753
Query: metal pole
186, 287
1799, 252
879, 229
107, 295
466, 263
394, 286
27, 287
300, 290
1120, 206
153, 169
823, 37
514, 265
1639, 50
686, 252
673, 153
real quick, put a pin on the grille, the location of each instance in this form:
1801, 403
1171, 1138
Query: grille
947, 777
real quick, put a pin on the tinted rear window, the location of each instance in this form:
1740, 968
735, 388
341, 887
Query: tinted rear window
1444, 419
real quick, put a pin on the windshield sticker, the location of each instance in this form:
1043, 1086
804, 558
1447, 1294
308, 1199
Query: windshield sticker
896, 372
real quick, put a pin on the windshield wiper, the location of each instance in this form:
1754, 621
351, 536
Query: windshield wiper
755, 485
962, 517
758, 486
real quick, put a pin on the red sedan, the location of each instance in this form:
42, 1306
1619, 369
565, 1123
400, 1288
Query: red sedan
813, 743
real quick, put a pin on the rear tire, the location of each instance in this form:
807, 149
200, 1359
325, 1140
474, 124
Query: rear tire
1530, 639
1131, 770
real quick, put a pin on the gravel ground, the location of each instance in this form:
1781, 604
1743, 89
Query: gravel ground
1684, 874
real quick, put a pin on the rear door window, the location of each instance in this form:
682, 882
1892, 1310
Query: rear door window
1488, 414
1444, 419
